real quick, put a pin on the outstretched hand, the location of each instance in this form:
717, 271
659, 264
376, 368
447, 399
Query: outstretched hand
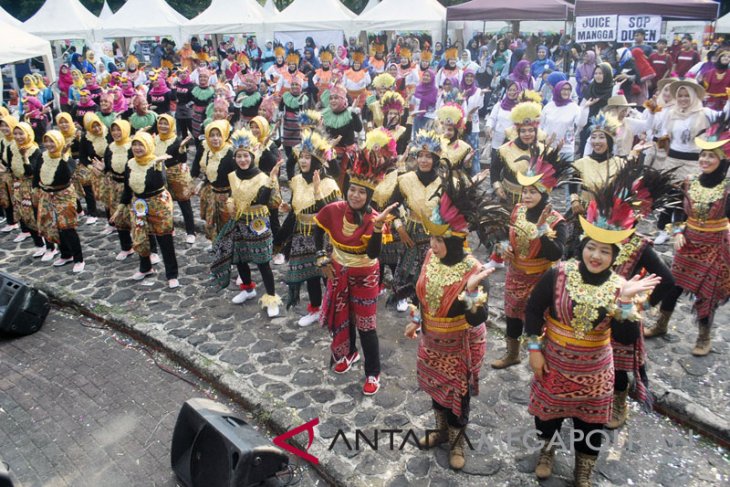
473, 282
380, 219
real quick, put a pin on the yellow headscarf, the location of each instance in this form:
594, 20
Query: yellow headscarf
12, 123
71, 132
29, 137
173, 131
38, 79
149, 148
4, 112
224, 128
89, 120
263, 126
126, 129
59, 143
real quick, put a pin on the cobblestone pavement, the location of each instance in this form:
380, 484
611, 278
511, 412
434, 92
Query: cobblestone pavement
280, 371
83, 406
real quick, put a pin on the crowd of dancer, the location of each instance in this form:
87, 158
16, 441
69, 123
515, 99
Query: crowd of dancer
384, 174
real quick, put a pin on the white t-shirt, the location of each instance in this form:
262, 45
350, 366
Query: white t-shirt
563, 123
499, 120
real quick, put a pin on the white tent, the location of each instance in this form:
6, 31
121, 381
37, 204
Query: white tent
106, 11
9, 19
17, 45
723, 24
227, 17
369, 6
403, 15
313, 15
143, 18
270, 8
62, 19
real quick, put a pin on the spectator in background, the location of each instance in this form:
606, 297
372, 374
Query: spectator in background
661, 61
639, 38
584, 73
267, 56
685, 58
542, 62
254, 52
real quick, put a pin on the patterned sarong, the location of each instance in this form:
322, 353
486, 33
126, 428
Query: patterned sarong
56, 211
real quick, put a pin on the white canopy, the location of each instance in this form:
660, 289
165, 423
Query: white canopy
227, 17
9, 19
143, 18
369, 6
106, 11
313, 15
270, 8
63, 19
405, 15
723, 24
17, 45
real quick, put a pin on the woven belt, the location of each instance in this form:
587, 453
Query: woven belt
719, 225
564, 335
227, 189
532, 266
445, 325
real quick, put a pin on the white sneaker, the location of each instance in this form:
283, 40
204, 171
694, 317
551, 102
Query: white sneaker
279, 259
138, 276
402, 305
309, 319
190, 239
3, 220
173, 283
272, 311
90, 220
243, 296
155, 259
21, 237
62, 261
493, 264
124, 254
78, 267
40, 252
108, 230
9, 228
661, 238
49, 255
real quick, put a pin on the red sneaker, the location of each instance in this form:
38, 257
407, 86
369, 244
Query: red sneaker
372, 385
345, 363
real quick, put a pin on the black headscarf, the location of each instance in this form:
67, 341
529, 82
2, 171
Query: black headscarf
602, 90
454, 250
715, 177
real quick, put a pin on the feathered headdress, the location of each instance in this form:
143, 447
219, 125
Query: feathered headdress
309, 119
546, 170
383, 80
608, 124
378, 46
428, 140
279, 49
358, 54
526, 113
530, 95
463, 207
427, 55
716, 137
611, 216
317, 145
405, 52
244, 139
655, 189
242, 59
293, 57
325, 54
370, 167
381, 141
451, 114
451, 52
392, 100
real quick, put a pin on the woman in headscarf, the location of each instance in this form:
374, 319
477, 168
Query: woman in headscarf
149, 206
311, 190
246, 238
542, 63
424, 101
599, 91
7, 124
213, 162
584, 73
518, 54
24, 156
716, 81
467, 61
521, 75
179, 182
626, 75
562, 119
64, 83
142, 117
57, 218
93, 146
160, 95
500, 118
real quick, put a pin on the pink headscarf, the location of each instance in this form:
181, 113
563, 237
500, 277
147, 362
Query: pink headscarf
120, 102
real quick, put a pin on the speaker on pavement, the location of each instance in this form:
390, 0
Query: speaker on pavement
23, 309
6, 476
213, 448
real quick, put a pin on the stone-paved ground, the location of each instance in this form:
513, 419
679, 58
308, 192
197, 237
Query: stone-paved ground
85, 406
282, 368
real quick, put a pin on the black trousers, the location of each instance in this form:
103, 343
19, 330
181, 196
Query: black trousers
266, 275
167, 247
514, 327
589, 442
90, 201
290, 162
186, 208
37, 239
9, 214
314, 289
184, 126
370, 349
70, 245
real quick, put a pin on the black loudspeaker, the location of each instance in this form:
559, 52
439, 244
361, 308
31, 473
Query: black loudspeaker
6, 476
23, 309
213, 448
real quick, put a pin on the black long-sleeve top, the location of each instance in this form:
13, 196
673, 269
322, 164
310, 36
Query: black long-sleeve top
268, 158
61, 178
173, 150
34, 160
497, 171
542, 299
154, 183
227, 165
654, 264
87, 153
550, 248
160, 103
347, 131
